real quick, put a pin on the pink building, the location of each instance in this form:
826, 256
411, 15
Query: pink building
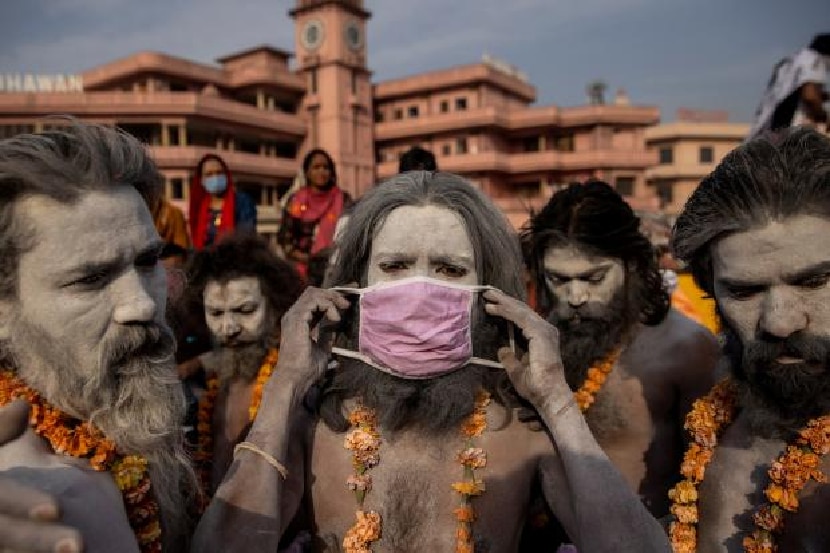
260, 114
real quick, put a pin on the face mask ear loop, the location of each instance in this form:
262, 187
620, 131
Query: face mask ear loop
512, 338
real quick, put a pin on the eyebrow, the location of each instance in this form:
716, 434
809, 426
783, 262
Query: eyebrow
590, 272
451, 259
152, 249
437, 258
790, 278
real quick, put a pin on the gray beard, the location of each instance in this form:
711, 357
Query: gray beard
133, 396
239, 362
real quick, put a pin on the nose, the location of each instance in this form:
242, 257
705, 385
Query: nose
576, 293
136, 299
783, 314
229, 327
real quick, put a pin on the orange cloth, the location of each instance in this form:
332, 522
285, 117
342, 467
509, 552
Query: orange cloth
171, 225
703, 305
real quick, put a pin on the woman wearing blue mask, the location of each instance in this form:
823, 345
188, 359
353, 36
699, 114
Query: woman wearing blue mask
216, 207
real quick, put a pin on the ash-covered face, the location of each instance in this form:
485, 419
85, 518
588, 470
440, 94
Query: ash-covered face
237, 312
583, 286
428, 241
771, 286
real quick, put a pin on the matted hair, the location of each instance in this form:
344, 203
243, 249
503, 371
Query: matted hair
770, 178
498, 257
595, 218
62, 164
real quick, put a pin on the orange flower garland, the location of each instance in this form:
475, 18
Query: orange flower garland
203, 456
788, 474
470, 458
80, 439
586, 394
363, 440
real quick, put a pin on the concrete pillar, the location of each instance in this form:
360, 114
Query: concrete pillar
260, 99
182, 135
165, 134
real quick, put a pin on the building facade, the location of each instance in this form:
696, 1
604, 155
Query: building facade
686, 151
261, 112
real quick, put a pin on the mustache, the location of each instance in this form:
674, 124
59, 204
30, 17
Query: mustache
812, 349
148, 341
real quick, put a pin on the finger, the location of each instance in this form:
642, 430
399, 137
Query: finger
38, 537
507, 357
17, 500
14, 418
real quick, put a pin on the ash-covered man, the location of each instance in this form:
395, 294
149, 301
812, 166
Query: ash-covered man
414, 442
634, 363
755, 236
244, 289
84, 340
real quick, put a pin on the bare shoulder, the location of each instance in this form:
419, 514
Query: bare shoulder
679, 342
89, 501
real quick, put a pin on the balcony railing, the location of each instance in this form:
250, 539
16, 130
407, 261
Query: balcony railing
186, 157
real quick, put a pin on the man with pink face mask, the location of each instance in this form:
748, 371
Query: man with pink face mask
424, 435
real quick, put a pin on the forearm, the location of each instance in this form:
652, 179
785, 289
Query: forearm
605, 513
255, 503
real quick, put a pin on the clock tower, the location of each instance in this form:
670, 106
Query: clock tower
330, 41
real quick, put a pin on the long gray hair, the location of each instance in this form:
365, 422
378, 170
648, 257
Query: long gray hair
495, 245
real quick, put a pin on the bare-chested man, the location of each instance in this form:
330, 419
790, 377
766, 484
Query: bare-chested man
83, 338
244, 289
598, 282
397, 449
755, 234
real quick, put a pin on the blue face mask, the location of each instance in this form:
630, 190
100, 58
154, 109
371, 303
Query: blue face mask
215, 184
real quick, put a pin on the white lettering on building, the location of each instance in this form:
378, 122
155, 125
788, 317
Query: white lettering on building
27, 82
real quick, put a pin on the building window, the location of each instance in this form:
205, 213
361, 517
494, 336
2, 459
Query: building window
460, 104
530, 144
625, 186
378, 116
380, 156
446, 150
177, 189
398, 114
413, 111
564, 143
707, 154
313, 79
354, 83
665, 191
666, 156
444, 107
460, 145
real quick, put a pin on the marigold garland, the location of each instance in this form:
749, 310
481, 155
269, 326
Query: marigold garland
586, 394
363, 440
788, 474
203, 456
80, 439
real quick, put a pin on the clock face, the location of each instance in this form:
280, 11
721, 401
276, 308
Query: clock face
353, 35
312, 35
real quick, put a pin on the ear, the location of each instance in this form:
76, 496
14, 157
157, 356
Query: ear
5, 320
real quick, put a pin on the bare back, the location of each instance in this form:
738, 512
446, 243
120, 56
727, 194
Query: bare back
733, 490
230, 421
411, 487
638, 414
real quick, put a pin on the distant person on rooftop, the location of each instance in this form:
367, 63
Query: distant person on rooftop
796, 93
417, 159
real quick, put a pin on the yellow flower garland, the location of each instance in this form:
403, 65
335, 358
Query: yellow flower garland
586, 394
363, 440
788, 474
203, 456
80, 439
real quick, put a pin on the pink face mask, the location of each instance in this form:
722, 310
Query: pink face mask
416, 328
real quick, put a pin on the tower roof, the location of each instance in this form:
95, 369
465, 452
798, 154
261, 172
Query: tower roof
353, 6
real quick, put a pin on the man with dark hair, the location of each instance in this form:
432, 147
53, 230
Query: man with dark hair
754, 234
414, 441
634, 363
417, 159
83, 338
242, 289
795, 93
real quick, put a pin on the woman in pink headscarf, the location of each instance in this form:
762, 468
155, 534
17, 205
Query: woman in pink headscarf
311, 214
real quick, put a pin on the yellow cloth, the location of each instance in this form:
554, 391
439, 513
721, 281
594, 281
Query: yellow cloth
689, 297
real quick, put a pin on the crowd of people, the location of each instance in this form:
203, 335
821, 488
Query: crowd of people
381, 383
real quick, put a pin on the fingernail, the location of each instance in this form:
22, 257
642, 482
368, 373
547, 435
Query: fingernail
44, 512
67, 545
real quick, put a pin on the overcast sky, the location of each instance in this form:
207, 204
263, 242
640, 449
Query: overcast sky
708, 54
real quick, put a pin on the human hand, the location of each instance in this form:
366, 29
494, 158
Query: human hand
302, 358
28, 517
188, 368
539, 375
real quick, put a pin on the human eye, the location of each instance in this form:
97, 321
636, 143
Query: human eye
555, 280
451, 271
393, 266
742, 293
91, 281
596, 278
214, 313
247, 309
